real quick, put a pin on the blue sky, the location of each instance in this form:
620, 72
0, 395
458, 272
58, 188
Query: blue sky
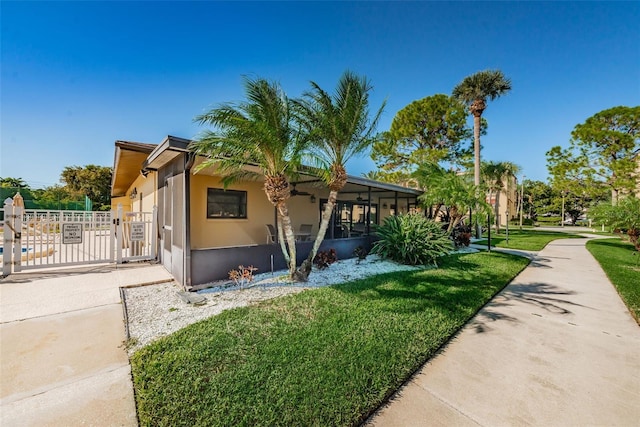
76, 76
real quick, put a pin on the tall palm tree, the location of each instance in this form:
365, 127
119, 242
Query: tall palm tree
257, 132
474, 91
339, 128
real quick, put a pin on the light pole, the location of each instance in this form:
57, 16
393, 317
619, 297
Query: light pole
507, 213
522, 200
562, 218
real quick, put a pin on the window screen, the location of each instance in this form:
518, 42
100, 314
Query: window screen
226, 203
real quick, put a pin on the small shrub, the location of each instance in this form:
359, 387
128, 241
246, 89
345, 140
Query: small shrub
361, 253
411, 239
324, 259
461, 235
243, 275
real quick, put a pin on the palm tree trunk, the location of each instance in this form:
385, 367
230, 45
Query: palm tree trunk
305, 267
454, 218
289, 236
476, 162
281, 240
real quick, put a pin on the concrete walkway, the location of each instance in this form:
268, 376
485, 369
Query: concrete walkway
557, 347
62, 359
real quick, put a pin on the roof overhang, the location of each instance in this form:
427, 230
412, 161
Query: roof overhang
127, 162
165, 152
131, 158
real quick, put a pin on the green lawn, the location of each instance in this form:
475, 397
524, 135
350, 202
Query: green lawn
528, 240
620, 261
324, 357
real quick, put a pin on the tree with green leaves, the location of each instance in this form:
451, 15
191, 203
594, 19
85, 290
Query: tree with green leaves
625, 216
9, 182
446, 188
431, 129
258, 131
91, 181
57, 197
497, 176
474, 91
339, 127
537, 198
604, 150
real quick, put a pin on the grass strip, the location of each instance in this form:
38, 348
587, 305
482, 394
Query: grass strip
527, 240
326, 357
620, 262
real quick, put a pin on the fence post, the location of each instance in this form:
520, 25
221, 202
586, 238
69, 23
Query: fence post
17, 240
119, 231
112, 235
154, 232
7, 241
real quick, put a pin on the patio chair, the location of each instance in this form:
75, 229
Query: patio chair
305, 232
271, 233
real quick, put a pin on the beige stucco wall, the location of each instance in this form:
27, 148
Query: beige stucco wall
222, 232
508, 200
146, 195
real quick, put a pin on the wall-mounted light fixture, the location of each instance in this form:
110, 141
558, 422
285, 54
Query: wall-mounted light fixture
312, 198
384, 205
134, 193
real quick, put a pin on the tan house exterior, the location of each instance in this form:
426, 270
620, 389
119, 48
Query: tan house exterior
507, 202
205, 231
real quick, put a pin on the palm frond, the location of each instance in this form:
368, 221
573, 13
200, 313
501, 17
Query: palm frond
483, 85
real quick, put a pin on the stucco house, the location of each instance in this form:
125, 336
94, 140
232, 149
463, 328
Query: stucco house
205, 231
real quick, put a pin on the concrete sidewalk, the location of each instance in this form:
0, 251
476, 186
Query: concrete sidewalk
557, 347
62, 359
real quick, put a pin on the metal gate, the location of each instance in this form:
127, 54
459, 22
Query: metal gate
43, 238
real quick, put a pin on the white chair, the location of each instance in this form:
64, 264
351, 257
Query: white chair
271, 233
305, 232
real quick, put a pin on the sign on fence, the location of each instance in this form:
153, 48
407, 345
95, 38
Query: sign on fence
137, 231
34, 238
71, 233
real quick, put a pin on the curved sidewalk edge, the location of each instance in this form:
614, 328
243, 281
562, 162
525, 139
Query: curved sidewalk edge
556, 347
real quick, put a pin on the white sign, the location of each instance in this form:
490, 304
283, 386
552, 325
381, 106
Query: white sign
137, 231
72, 233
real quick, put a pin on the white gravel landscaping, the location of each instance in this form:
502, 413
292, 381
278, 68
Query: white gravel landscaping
157, 310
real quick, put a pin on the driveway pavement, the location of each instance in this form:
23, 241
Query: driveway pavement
62, 359
557, 347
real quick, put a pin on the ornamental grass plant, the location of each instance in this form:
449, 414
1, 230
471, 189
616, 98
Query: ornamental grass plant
412, 239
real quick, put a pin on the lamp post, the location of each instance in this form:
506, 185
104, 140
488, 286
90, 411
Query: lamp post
562, 218
522, 200
507, 213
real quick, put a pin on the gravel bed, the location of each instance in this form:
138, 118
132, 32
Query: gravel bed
157, 310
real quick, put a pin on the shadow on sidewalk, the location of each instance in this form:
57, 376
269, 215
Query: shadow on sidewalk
540, 295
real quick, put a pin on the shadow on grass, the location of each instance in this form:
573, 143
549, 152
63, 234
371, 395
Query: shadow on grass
618, 244
458, 286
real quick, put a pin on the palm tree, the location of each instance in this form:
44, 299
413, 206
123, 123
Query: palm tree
339, 128
474, 91
450, 189
497, 176
257, 132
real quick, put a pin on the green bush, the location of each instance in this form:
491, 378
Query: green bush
411, 239
625, 216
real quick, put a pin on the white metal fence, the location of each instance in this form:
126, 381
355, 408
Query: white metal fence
42, 238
